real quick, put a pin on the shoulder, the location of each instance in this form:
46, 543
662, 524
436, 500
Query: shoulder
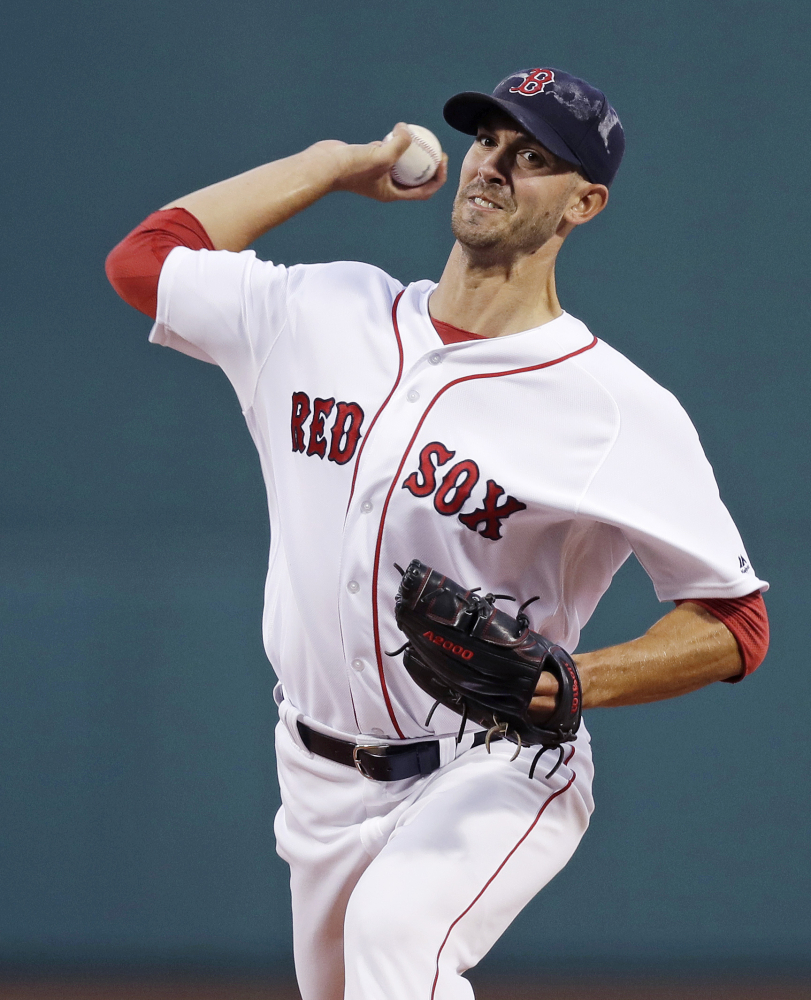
635, 394
344, 280
337, 279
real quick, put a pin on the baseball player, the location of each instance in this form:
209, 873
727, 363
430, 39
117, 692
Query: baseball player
476, 426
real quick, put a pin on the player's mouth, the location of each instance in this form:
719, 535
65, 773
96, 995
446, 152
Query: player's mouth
484, 203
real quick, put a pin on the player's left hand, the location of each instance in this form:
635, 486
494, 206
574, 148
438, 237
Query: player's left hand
544, 700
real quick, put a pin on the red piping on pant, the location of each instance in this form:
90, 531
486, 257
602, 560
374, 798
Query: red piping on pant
376, 569
484, 888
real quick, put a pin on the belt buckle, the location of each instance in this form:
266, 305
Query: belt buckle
366, 746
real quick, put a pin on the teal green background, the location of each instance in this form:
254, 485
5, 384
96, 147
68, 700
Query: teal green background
137, 789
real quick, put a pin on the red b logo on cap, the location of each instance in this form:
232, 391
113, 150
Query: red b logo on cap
534, 83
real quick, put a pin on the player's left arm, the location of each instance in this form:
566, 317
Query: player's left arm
684, 538
685, 650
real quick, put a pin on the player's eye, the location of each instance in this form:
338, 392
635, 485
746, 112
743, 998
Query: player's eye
533, 157
485, 140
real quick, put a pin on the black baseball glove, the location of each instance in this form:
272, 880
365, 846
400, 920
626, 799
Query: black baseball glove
483, 663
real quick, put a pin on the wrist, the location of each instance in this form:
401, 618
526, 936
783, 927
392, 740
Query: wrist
325, 165
588, 670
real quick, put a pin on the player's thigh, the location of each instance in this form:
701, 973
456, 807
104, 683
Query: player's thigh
319, 834
462, 862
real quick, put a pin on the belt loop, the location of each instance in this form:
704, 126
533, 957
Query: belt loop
289, 716
454, 749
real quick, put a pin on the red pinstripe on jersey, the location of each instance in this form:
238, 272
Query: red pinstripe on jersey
378, 546
385, 401
490, 881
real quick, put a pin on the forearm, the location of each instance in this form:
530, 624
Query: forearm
237, 211
685, 650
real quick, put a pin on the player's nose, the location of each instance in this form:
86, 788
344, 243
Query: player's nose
490, 173
492, 169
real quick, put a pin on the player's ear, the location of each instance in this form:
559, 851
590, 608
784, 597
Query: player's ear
587, 201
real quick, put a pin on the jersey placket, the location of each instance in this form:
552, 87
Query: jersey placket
379, 465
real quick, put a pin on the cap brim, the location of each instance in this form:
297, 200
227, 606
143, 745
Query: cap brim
464, 111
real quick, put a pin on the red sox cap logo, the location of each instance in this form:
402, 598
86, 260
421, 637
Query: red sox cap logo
534, 82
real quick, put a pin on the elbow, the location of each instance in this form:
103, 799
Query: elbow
139, 290
134, 266
115, 272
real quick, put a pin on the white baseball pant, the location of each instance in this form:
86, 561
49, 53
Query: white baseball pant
400, 887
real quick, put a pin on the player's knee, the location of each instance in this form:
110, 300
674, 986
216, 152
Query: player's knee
371, 921
379, 916
393, 940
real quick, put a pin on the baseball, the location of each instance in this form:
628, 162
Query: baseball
419, 162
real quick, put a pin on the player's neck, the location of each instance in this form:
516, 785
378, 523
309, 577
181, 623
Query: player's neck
495, 298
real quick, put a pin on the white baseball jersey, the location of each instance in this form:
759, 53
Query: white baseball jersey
528, 464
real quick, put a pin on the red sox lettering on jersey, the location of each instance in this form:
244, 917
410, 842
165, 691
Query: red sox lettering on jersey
455, 489
450, 495
344, 433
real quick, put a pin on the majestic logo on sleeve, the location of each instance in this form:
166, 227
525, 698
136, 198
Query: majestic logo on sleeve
534, 82
336, 443
455, 489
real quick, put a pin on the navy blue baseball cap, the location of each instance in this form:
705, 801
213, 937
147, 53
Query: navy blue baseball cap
568, 116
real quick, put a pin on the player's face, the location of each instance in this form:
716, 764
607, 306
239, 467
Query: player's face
512, 191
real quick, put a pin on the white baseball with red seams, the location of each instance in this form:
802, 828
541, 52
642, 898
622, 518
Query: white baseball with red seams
527, 464
420, 161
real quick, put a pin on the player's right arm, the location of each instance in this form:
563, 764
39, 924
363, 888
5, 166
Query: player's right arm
226, 307
237, 211
232, 214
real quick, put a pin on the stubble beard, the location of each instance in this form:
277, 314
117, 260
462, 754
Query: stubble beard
485, 235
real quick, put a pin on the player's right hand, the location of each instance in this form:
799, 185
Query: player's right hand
366, 169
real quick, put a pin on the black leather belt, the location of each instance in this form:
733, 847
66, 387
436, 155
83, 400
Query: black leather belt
386, 762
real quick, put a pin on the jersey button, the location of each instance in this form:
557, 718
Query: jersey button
358, 665
376, 732
366, 506
353, 586
412, 395
434, 359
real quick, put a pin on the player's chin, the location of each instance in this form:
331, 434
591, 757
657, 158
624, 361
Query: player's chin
477, 233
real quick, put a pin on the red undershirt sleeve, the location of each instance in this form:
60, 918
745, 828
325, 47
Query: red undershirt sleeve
746, 619
134, 266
